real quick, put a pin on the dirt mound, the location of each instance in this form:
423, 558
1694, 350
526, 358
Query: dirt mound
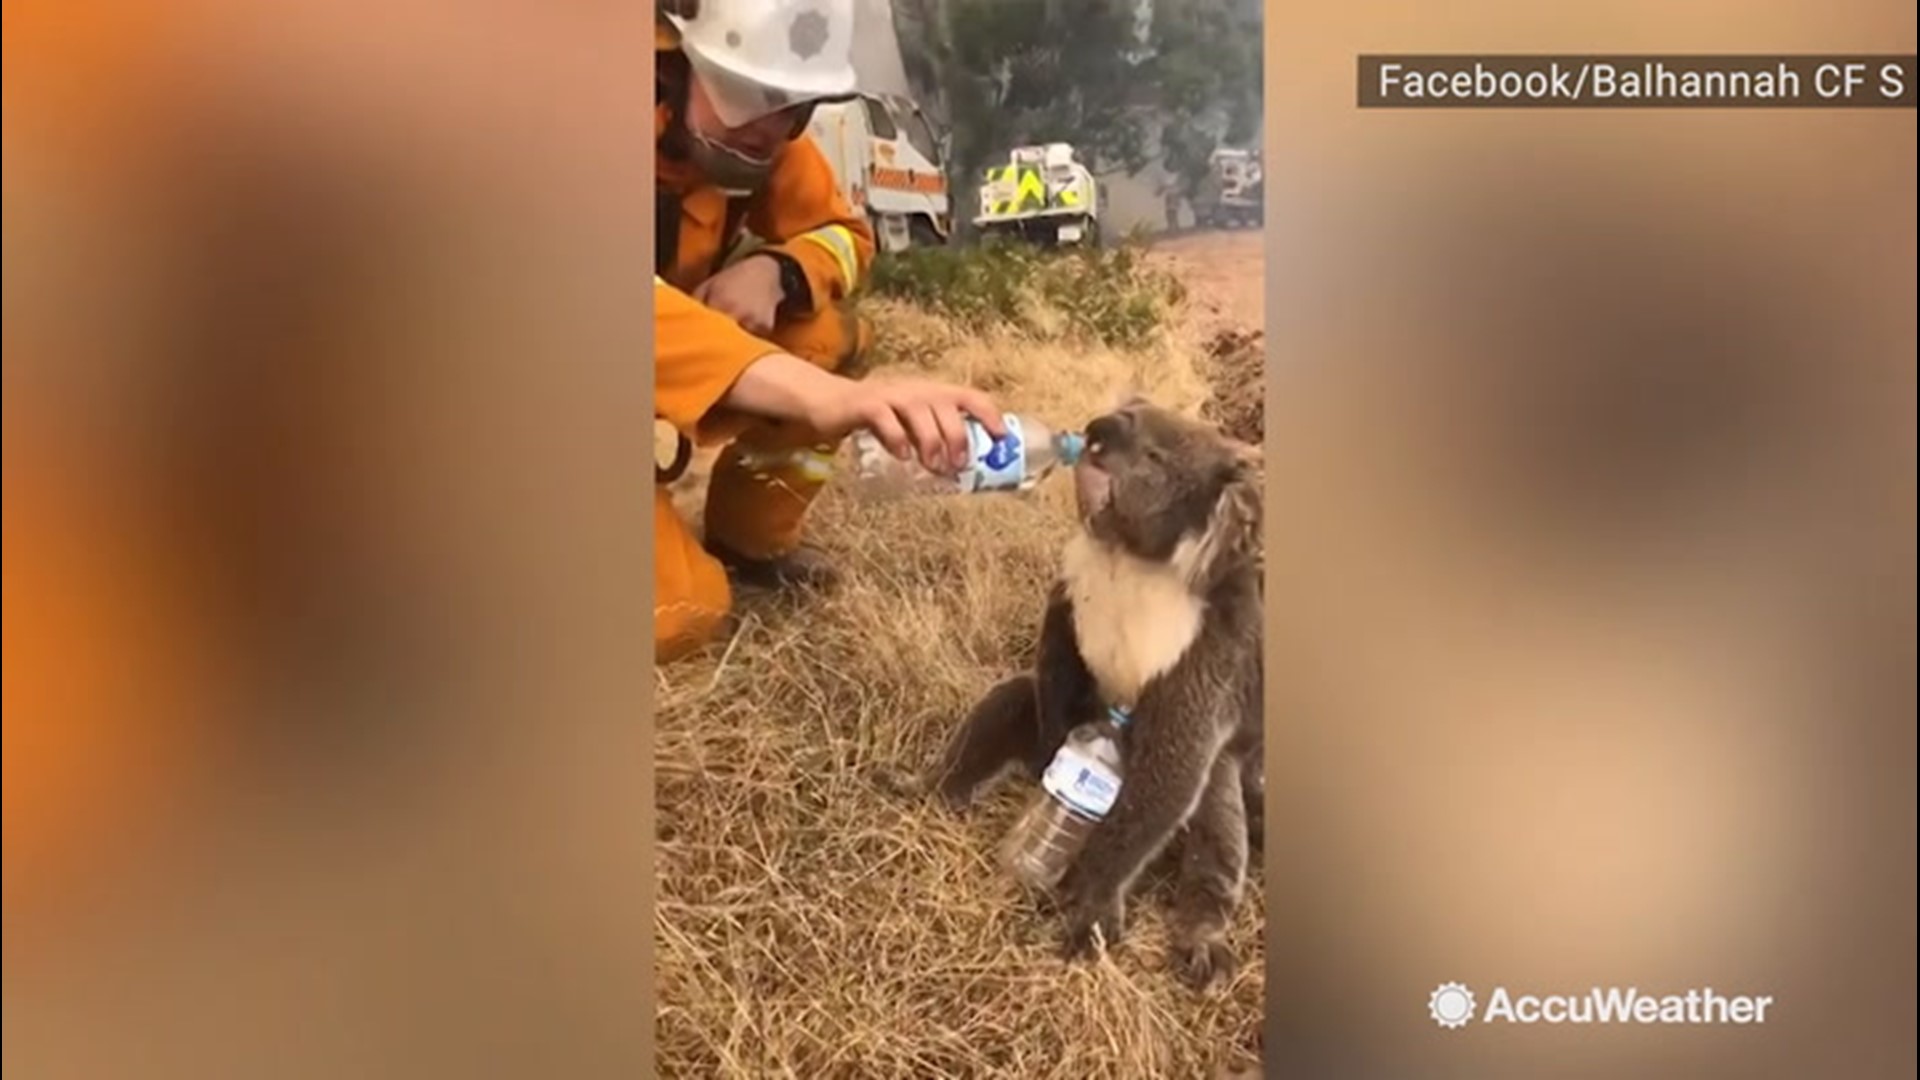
1224, 275
1225, 278
1236, 370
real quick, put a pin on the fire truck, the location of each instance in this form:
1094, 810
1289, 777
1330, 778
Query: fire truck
889, 163
1043, 195
1234, 193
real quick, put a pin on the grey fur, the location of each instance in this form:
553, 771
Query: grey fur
1177, 494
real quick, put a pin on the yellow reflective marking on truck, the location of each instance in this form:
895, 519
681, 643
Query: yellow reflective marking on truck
1032, 193
1029, 193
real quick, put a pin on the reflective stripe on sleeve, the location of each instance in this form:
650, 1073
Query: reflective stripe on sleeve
838, 240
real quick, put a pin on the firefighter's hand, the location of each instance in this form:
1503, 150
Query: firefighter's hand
909, 416
912, 417
748, 292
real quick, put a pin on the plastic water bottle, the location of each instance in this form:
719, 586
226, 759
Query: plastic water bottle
1078, 789
1016, 461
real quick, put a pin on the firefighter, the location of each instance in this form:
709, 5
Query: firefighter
713, 380
736, 84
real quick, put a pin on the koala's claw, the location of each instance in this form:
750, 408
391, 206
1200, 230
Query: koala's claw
1202, 962
1092, 929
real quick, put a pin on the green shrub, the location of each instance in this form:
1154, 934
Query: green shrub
1106, 295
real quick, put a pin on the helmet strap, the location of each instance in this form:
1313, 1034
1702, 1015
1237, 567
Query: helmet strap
734, 173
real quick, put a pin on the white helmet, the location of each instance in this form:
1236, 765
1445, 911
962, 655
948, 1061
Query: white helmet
755, 57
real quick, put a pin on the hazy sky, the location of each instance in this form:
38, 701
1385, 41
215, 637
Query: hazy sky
876, 52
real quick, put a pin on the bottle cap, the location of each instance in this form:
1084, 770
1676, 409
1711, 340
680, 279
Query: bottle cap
1072, 445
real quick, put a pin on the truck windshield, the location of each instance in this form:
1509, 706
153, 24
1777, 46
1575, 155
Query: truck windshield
878, 121
921, 136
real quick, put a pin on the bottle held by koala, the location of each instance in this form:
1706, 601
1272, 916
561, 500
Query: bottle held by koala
1023, 457
1078, 789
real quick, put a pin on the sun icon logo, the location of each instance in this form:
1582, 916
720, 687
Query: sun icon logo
1451, 1005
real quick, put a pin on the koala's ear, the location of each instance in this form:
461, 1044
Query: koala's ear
1233, 530
1238, 471
1244, 463
1243, 494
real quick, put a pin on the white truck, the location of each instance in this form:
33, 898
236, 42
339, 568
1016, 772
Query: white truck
1234, 193
890, 164
1041, 195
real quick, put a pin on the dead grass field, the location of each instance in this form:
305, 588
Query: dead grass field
811, 924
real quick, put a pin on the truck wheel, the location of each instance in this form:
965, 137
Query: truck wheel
921, 234
892, 234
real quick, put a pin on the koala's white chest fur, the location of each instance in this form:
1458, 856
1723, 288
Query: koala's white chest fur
1133, 619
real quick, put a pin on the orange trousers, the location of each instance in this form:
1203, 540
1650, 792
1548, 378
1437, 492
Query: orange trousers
757, 498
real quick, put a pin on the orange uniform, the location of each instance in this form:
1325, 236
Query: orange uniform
698, 354
760, 489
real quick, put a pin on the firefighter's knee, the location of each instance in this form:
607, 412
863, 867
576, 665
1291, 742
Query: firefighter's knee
761, 489
691, 598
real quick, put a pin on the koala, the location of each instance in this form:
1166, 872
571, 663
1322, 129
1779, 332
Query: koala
1157, 609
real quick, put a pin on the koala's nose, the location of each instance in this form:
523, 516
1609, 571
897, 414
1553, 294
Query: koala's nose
1106, 433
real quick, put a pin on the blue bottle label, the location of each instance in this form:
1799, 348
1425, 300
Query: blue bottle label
1082, 781
998, 464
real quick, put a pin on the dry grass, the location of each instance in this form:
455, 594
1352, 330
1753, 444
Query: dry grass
810, 924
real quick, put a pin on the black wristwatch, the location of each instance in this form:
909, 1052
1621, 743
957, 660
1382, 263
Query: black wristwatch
796, 296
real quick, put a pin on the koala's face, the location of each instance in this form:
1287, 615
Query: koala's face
1150, 478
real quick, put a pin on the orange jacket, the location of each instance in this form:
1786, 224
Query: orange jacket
698, 354
91, 80
109, 668
799, 213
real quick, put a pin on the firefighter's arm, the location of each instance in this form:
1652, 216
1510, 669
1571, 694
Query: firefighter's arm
826, 245
698, 356
711, 379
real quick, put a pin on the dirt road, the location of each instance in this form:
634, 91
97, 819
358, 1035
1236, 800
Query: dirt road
1225, 275
1225, 317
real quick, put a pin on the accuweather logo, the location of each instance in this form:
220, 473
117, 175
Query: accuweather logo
1452, 1005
